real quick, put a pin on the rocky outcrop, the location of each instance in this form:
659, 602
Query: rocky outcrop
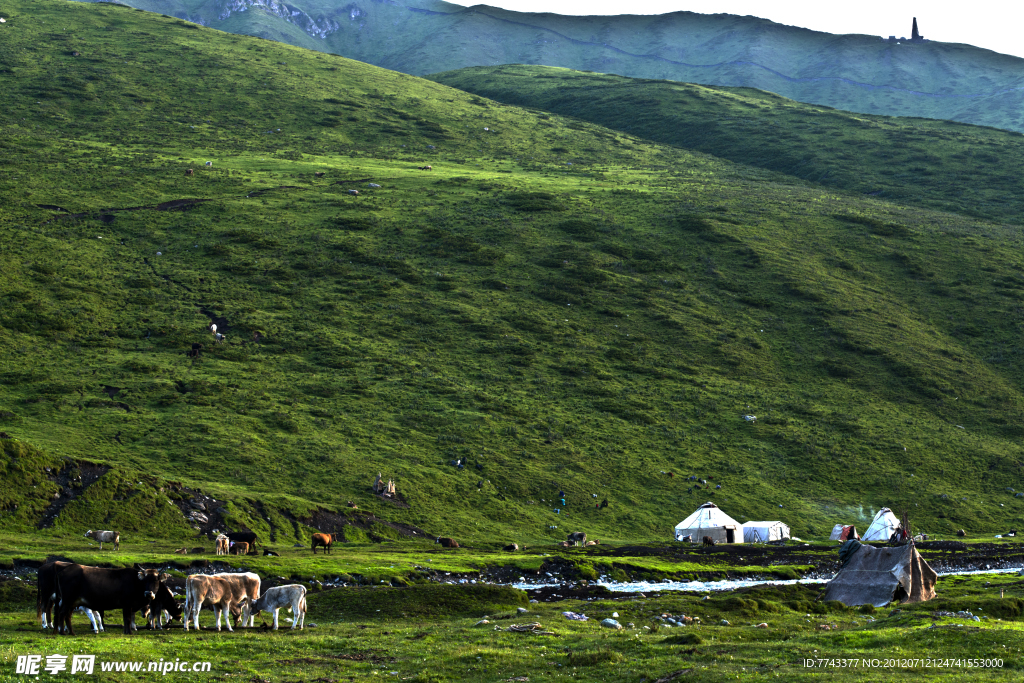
321, 27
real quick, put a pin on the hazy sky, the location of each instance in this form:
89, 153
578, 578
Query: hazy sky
997, 26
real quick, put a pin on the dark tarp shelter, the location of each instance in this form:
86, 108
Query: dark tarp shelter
877, 576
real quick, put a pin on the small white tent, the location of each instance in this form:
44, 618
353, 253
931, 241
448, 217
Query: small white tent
709, 520
763, 532
882, 526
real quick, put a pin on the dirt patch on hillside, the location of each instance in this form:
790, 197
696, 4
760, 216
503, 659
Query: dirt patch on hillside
74, 478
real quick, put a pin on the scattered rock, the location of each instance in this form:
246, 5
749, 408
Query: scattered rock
611, 623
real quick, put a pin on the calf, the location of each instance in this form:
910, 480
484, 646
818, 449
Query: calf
293, 597
222, 545
247, 536
101, 589
447, 542
222, 591
240, 548
162, 609
324, 540
105, 537
595, 542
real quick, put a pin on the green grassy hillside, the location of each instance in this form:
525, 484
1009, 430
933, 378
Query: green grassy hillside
942, 165
560, 305
852, 72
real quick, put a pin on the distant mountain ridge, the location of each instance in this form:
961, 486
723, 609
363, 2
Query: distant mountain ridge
853, 72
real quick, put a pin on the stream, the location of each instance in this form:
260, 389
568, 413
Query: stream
723, 585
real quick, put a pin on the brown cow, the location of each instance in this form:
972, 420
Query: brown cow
190, 172
222, 545
240, 548
707, 541
222, 591
447, 542
324, 540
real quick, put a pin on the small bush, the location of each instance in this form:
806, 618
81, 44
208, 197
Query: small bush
354, 222
594, 657
580, 229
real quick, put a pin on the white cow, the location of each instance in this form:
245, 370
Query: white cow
105, 537
292, 596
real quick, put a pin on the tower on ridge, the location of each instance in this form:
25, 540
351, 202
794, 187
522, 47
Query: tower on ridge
914, 35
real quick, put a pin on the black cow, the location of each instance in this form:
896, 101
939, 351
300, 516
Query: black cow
243, 537
46, 591
163, 604
102, 589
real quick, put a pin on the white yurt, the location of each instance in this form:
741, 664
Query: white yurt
882, 526
709, 520
763, 532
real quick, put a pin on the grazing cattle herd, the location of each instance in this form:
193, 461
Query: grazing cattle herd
66, 587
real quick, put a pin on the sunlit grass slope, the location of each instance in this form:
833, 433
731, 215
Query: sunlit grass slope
565, 306
862, 73
944, 165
